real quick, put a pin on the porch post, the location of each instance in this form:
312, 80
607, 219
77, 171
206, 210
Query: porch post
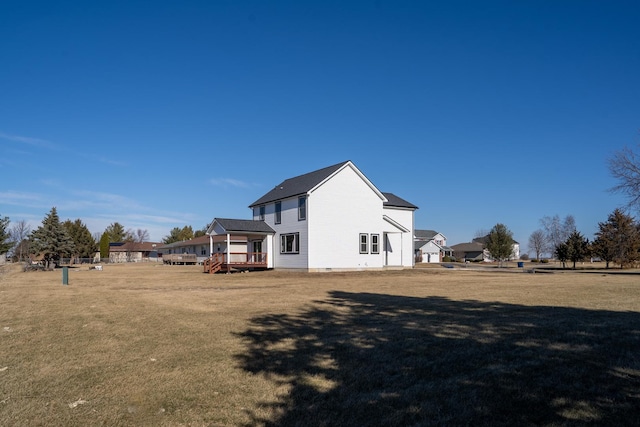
210, 245
228, 252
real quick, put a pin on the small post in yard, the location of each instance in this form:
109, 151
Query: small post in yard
65, 275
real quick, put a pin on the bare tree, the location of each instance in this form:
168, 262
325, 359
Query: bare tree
19, 234
481, 233
141, 235
537, 242
557, 231
625, 167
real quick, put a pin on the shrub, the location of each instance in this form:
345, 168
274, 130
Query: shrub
448, 259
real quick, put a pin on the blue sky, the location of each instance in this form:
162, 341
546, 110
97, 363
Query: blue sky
170, 113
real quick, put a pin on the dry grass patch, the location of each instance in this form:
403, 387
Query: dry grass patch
168, 345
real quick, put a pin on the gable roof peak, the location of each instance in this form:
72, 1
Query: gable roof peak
300, 184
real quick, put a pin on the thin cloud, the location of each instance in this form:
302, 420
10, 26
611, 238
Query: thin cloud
35, 142
228, 182
112, 162
107, 200
15, 198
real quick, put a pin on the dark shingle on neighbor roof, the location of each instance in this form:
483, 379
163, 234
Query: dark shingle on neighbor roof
297, 185
395, 201
425, 234
246, 225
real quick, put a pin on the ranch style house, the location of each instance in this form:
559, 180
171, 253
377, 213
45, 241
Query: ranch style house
331, 219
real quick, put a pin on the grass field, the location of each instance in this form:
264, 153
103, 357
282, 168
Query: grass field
155, 345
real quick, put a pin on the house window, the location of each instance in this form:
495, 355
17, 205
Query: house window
302, 208
203, 250
261, 215
364, 244
290, 243
375, 243
278, 218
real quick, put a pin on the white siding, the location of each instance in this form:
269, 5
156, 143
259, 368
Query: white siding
289, 224
404, 217
338, 212
430, 253
393, 249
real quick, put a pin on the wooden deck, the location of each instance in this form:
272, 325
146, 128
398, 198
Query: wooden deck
236, 261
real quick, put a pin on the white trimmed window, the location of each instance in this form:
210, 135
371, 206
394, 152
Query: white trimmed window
278, 217
290, 243
375, 243
261, 216
302, 208
364, 244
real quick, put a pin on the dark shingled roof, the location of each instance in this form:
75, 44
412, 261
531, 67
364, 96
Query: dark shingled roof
395, 201
244, 225
297, 185
303, 183
425, 234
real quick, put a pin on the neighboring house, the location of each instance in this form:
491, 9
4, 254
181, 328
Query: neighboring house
515, 254
430, 246
133, 252
330, 219
198, 246
473, 251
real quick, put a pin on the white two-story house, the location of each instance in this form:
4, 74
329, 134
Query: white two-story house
330, 219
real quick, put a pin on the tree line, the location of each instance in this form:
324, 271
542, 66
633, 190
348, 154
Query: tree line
617, 240
55, 239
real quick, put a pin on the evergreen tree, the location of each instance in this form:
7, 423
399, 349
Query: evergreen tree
618, 239
85, 246
499, 243
5, 235
178, 234
603, 245
578, 247
51, 239
116, 232
104, 245
562, 253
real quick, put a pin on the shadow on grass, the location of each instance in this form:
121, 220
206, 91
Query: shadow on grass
370, 359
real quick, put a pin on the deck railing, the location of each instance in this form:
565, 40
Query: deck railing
235, 260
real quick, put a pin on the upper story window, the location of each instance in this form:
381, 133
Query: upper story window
302, 208
261, 214
278, 216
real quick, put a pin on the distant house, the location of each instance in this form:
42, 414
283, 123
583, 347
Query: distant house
430, 246
475, 251
329, 219
515, 254
133, 252
198, 246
